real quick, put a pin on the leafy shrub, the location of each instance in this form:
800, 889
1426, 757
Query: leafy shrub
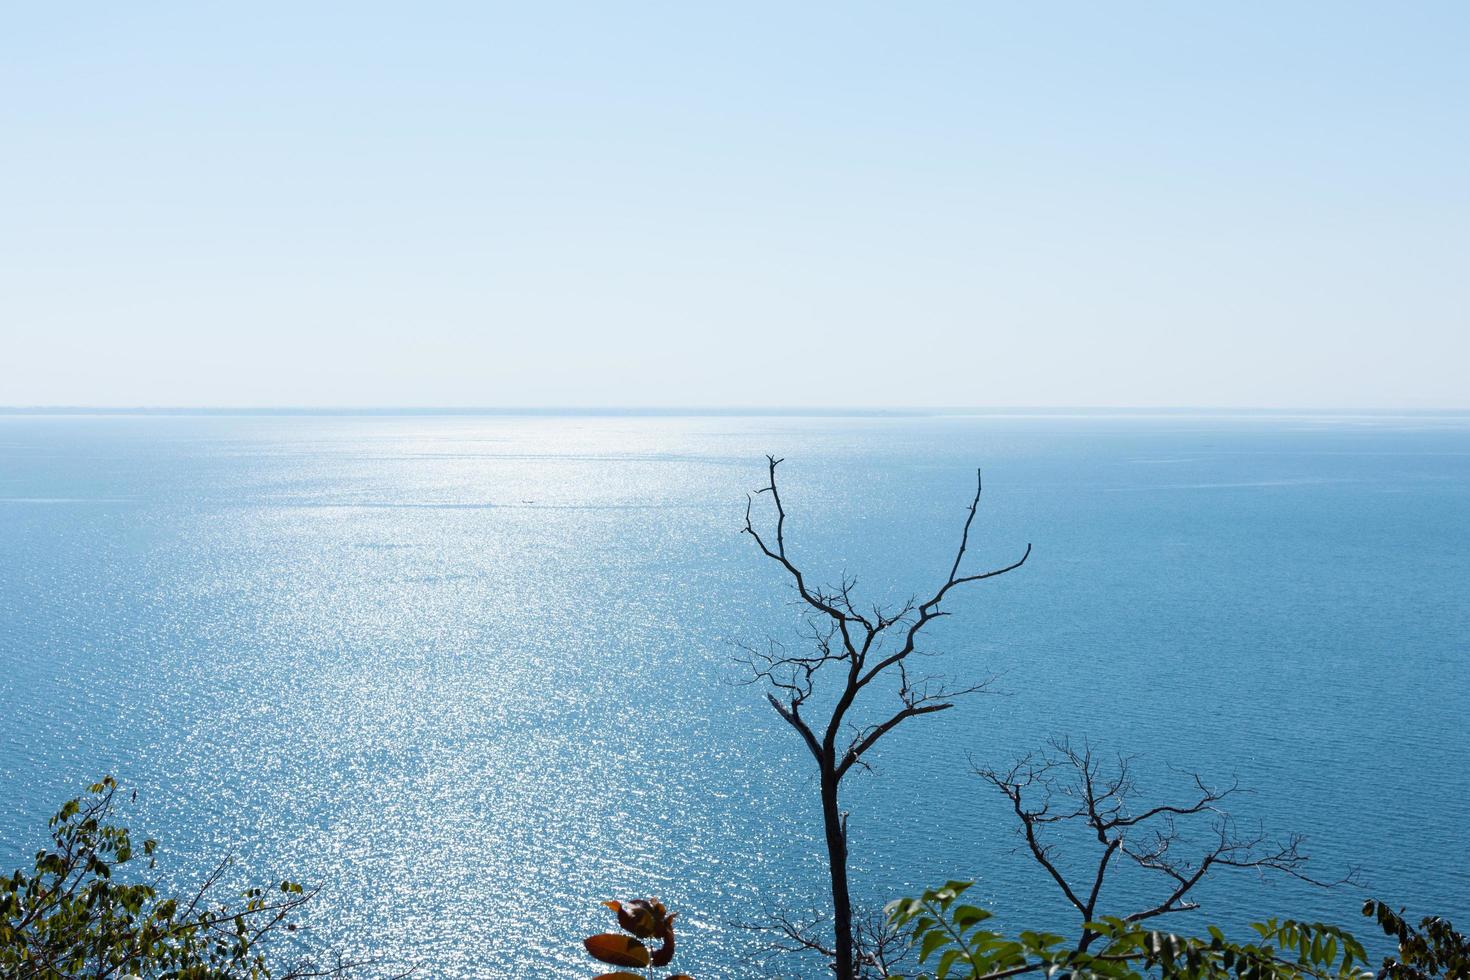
951, 936
71, 917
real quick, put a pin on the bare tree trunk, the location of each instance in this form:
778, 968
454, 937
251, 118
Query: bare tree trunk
836, 829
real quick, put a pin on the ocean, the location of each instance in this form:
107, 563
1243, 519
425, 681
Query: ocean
474, 674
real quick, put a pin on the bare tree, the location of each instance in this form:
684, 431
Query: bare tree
1067, 786
861, 648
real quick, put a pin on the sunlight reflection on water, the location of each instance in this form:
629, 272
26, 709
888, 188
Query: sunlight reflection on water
473, 674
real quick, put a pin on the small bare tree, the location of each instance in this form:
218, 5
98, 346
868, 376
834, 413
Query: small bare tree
1067, 786
860, 648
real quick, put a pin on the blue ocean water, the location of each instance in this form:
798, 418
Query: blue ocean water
474, 674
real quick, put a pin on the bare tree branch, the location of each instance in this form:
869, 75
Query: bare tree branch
1069, 785
879, 949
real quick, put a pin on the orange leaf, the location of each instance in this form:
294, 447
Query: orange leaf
664, 953
617, 950
642, 917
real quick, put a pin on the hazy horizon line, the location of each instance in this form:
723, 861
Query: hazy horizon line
707, 410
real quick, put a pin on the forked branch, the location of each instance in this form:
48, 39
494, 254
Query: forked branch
853, 638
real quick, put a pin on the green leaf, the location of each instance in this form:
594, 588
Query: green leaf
966, 916
932, 942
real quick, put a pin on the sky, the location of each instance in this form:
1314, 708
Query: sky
808, 205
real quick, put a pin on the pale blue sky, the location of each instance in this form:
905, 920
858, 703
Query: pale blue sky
1113, 204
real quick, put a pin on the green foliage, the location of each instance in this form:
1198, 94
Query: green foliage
644, 918
75, 916
1435, 949
953, 943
